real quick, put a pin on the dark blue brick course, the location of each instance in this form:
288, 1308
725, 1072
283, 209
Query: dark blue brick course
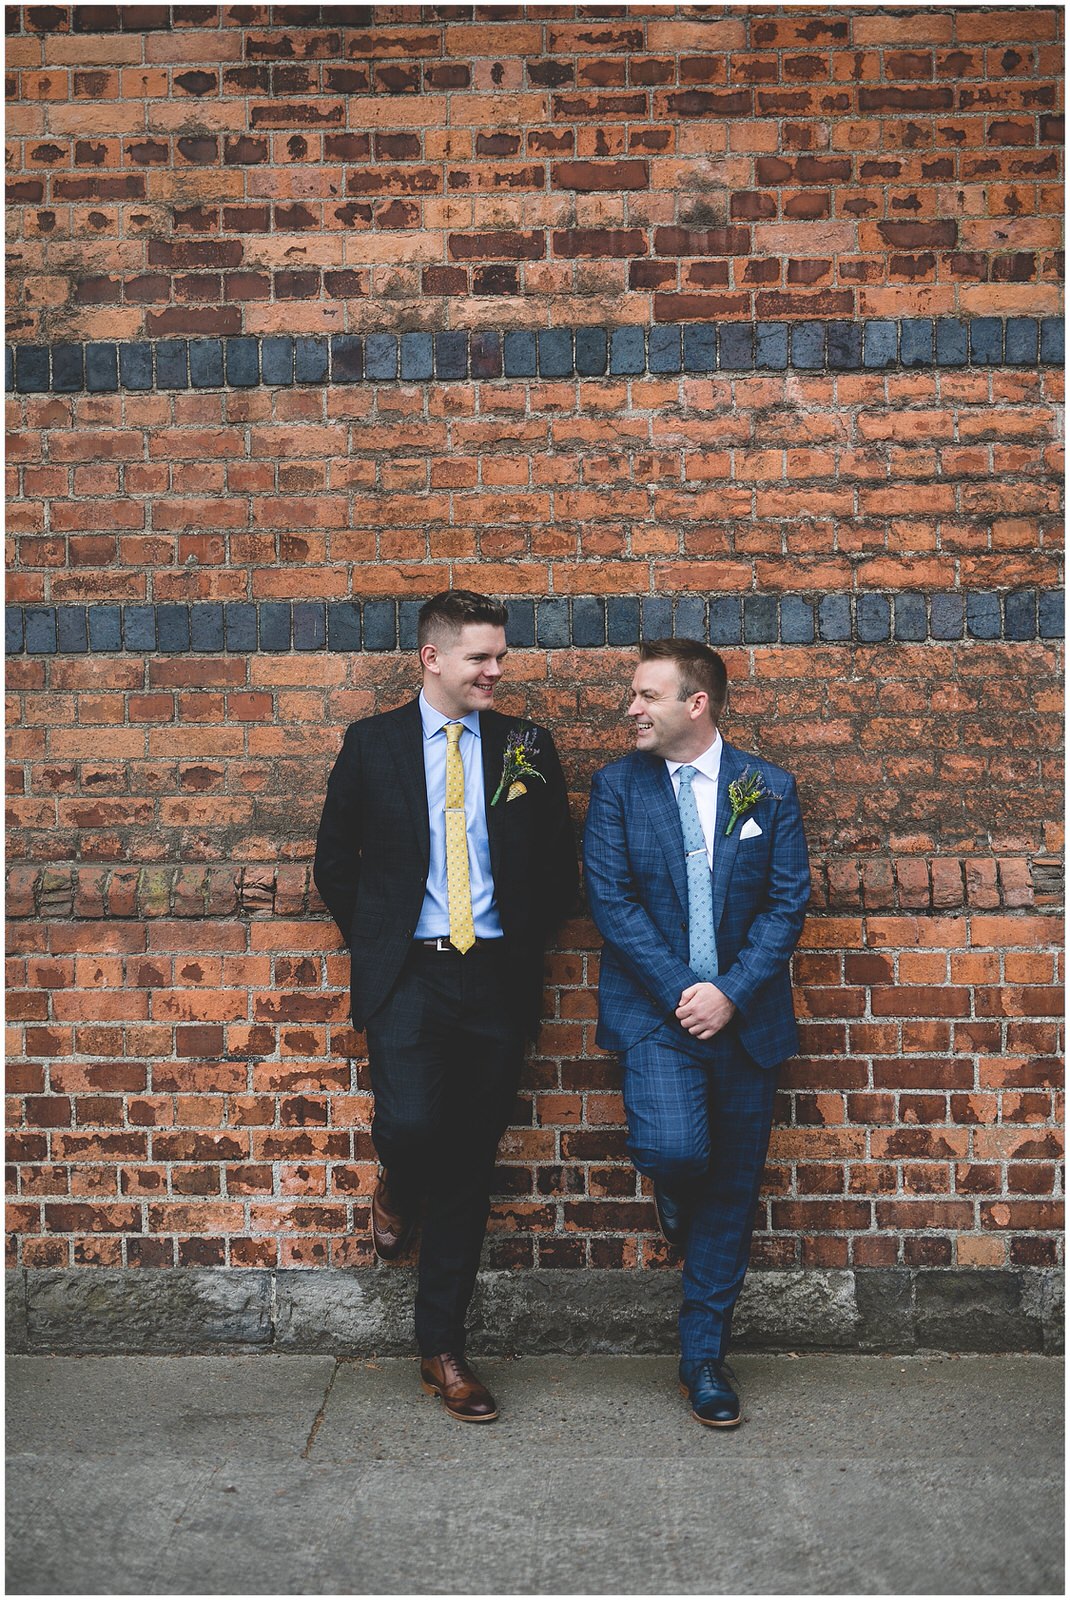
808, 345
726, 619
1020, 614
663, 348
591, 352
1052, 342
916, 342
310, 359
417, 357
343, 625
1051, 620
275, 626
139, 628
239, 625
657, 616
881, 344
72, 634
911, 622
206, 363
1021, 342
105, 628
12, 629
347, 358
172, 628
873, 618
986, 341
9, 369
68, 368
845, 346
310, 626
627, 352
451, 355
946, 616
771, 346
952, 342
588, 621
243, 362
551, 625
31, 369
135, 366
555, 353
760, 618
982, 616
101, 368
277, 360
796, 620
520, 353
622, 620
834, 618
735, 342
700, 347
381, 357
689, 621
172, 364
408, 623
380, 625
206, 626
40, 623
520, 627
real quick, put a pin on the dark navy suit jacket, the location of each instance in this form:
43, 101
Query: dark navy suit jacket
374, 847
637, 888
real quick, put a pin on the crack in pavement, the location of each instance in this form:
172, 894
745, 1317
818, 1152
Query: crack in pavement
317, 1421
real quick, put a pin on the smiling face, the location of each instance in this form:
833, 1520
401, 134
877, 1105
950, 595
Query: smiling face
461, 670
665, 725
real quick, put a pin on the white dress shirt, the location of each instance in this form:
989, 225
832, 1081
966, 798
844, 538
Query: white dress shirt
434, 920
704, 788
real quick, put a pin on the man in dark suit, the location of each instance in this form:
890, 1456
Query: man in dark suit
445, 856
698, 879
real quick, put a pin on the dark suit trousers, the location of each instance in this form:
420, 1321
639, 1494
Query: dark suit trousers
699, 1118
445, 1051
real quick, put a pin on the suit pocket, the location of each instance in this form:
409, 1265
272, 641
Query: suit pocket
366, 925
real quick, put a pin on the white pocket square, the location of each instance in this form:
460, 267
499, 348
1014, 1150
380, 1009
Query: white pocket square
750, 829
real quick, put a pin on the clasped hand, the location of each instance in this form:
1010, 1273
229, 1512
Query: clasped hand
704, 1010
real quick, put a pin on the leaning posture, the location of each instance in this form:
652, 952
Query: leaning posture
698, 880
445, 856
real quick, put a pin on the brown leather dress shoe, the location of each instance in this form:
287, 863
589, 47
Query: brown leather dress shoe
462, 1393
391, 1228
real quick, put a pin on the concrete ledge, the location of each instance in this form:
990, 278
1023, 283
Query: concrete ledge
369, 1311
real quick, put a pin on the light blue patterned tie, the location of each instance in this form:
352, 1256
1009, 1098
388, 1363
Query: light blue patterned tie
703, 945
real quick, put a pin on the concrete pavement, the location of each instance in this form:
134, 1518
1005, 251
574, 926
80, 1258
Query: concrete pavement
293, 1474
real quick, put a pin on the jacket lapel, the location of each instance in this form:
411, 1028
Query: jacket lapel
493, 733
407, 753
655, 787
724, 850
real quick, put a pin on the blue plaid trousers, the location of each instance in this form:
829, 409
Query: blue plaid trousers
699, 1119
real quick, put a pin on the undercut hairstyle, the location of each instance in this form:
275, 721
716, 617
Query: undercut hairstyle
700, 669
443, 616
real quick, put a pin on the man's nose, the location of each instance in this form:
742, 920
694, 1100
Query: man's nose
635, 705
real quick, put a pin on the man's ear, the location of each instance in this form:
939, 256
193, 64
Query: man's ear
700, 701
429, 658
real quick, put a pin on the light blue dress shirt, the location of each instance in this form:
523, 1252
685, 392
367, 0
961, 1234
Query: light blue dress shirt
434, 920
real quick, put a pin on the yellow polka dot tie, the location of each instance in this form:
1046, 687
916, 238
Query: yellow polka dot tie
462, 932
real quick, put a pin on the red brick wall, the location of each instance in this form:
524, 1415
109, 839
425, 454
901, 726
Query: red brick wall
183, 1086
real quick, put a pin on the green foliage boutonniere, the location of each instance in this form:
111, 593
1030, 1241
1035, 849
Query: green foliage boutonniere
744, 795
518, 763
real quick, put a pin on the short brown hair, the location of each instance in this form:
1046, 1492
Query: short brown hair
700, 669
445, 614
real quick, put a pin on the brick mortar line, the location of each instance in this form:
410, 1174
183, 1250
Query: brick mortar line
244, 627
869, 344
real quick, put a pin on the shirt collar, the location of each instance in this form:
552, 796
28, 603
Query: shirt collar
434, 721
708, 763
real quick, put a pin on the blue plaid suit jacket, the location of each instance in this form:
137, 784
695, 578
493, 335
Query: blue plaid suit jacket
637, 889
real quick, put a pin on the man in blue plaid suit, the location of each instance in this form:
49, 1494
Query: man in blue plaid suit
698, 879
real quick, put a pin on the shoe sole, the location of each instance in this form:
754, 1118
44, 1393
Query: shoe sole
710, 1422
429, 1388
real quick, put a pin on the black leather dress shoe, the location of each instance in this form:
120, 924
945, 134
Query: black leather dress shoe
673, 1214
714, 1402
